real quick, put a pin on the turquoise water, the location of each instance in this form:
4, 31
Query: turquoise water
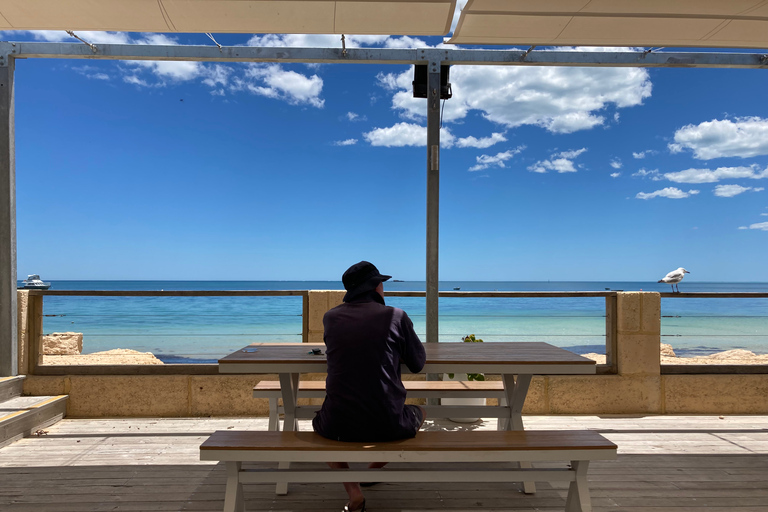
202, 329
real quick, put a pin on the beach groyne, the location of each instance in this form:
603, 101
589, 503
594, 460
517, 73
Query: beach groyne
635, 379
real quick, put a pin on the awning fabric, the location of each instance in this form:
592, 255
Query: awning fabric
384, 17
645, 23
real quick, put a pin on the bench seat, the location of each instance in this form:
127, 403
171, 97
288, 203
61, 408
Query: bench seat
416, 389
487, 447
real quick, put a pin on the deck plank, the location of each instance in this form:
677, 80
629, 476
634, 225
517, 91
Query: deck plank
677, 464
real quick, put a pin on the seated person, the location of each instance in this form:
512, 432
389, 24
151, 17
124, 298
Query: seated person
366, 342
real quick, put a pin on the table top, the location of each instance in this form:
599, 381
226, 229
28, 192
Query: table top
490, 357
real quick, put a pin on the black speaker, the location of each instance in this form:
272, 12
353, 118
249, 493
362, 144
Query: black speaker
420, 82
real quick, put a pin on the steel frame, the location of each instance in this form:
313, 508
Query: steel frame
434, 57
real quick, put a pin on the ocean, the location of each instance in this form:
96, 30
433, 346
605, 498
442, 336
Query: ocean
203, 329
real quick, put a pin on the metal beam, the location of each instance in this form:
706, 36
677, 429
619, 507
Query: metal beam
454, 57
433, 196
8, 335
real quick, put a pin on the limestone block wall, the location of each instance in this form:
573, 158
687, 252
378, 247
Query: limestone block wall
638, 387
22, 299
320, 301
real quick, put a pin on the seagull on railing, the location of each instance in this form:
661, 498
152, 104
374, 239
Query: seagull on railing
674, 277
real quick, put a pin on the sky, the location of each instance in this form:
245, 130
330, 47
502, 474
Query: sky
206, 171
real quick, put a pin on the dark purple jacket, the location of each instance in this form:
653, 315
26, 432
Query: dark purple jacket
366, 341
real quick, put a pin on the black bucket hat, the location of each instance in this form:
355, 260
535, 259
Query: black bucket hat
360, 278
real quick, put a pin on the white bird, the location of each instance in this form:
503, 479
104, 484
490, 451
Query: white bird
674, 277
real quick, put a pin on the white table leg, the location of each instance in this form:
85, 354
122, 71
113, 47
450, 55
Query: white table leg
578, 492
515, 391
233, 496
274, 415
289, 387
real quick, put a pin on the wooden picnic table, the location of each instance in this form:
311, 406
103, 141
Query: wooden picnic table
515, 362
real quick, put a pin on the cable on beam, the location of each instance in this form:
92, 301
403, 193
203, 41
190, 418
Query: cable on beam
91, 46
214, 41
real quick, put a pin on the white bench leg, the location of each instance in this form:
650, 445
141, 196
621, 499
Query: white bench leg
274, 417
233, 497
289, 385
516, 389
578, 492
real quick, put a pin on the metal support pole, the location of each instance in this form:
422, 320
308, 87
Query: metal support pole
433, 197
433, 200
9, 364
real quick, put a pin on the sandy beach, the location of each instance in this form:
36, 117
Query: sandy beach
667, 354
115, 356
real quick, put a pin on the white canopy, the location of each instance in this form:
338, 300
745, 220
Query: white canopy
647, 23
386, 17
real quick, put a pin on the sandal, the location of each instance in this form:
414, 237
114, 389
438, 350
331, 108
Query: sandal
361, 509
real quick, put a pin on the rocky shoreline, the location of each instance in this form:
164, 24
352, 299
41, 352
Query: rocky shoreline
668, 356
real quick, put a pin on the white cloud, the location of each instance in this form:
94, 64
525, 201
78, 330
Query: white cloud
560, 162
558, 99
616, 163
482, 143
348, 142
333, 41
411, 134
134, 80
721, 173
217, 75
642, 154
743, 137
733, 190
92, 73
272, 81
176, 71
497, 160
615, 174
455, 21
653, 175
669, 192
93, 37
355, 117
761, 225
405, 134
405, 42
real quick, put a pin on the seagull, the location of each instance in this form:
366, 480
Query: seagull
674, 277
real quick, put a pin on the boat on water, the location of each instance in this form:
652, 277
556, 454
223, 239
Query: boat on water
33, 282
457, 288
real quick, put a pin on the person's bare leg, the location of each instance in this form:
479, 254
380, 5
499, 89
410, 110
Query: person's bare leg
356, 498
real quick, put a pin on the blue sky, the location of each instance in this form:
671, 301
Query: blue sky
293, 172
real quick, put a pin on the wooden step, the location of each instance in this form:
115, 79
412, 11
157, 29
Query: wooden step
23, 416
11, 387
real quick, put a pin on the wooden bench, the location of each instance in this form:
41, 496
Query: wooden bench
416, 389
456, 449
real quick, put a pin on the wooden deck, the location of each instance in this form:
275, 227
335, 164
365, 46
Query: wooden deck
666, 463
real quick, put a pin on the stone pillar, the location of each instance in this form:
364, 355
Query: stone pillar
638, 333
320, 301
22, 297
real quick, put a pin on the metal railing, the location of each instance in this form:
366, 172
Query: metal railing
451, 317
695, 327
